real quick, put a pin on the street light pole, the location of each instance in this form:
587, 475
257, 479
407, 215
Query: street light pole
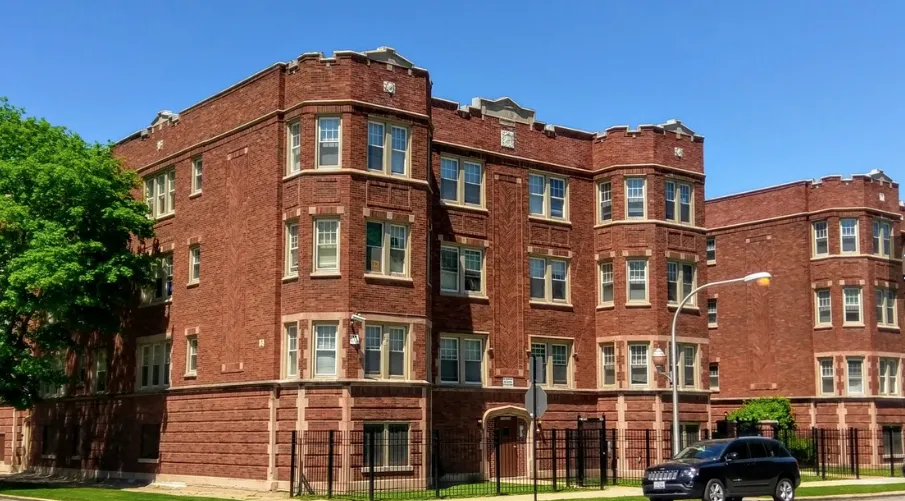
761, 278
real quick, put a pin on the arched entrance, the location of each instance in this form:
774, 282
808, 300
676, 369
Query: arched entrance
511, 426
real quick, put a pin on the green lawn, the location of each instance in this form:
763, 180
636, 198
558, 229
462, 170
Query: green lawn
69, 493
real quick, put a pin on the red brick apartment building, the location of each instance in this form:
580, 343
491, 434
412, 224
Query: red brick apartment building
342, 250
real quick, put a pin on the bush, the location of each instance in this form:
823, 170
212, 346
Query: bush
766, 409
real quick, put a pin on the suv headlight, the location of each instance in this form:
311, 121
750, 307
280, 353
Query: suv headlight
689, 473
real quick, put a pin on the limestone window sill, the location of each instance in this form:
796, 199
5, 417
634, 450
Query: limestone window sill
165, 217
156, 303
325, 274
195, 195
292, 175
711, 262
473, 208
691, 308
713, 326
638, 304
388, 469
606, 306
148, 461
551, 305
823, 327
388, 278
290, 278
888, 328
550, 220
852, 326
192, 285
475, 297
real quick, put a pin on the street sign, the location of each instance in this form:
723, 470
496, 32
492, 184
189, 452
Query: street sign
541, 401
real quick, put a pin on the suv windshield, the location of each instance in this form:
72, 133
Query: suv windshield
703, 450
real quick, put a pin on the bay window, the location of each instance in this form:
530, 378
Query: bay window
325, 348
886, 307
635, 198
328, 142
639, 364
848, 228
387, 249
385, 349
678, 202
388, 146
680, 281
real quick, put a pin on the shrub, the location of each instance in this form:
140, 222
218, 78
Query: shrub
766, 409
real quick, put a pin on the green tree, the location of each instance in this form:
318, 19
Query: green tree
67, 221
766, 409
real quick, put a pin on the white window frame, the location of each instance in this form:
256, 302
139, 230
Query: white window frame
388, 147
849, 377
317, 245
101, 371
843, 236
820, 232
676, 202
827, 305
386, 333
634, 278
643, 196
191, 356
631, 364
888, 369
292, 248
382, 441
608, 360
197, 175
461, 251
320, 142
711, 247
684, 366
387, 248
606, 272
194, 264
461, 358
294, 147
161, 205
147, 347
713, 372
713, 317
887, 315
291, 349
882, 240
604, 199
163, 270
549, 361
681, 283
548, 280
315, 337
548, 197
822, 375
461, 181
846, 304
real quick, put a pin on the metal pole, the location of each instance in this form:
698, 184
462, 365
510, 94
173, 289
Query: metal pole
892, 458
569, 436
292, 464
496, 457
371, 466
613, 460
534, 421
435, 462
330, 447
857, 456
553, 449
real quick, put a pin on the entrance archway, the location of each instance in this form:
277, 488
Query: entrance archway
511, 425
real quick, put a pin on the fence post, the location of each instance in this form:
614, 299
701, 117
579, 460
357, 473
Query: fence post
815, 450
569, 438
372, 449
435, 462
292, 464
823, 451
496, 458
647, 448
889, 451
331, 441
579, 457
857, 455
851, 449
613, 459
553, 449
601, 452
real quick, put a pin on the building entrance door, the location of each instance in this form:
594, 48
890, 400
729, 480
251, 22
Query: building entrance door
511, 445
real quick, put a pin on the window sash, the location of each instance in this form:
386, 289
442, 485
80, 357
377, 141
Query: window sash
608, 354
328, 143
549, 279
386, 249
195, 264
399, 151
325, 350
689, 366
292, 249
824, 307
391, 444
294, 157
635, 198
711, 249
606, 201
539, 350
160, 193
385, 351
855, 377
155, 365
849, 234
100, 371
886, 307
376, 140
547, 196
197, 172
326, 248
714, 372
821, 238
712, 311
639, 364
449, 360
607, 287
449, 179
637, 280
882, 238
191, 355
852, 298
680, 278
827, 377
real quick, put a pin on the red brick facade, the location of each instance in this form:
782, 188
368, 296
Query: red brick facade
445, 285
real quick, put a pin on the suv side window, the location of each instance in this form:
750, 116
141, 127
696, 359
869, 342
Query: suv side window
758, 449
778, 450
739, 447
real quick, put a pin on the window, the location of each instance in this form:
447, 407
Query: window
461, 270
386, 243
292, 350
76, 443
162, 290
549, 280
391, 444
824, 307
547, 196
889, 376
886, 307
150, 442
606, 200
711, 312
688, 362
827, 377
609, 365
711, 250
855, 376
328, 131
292, 249
689, 433
606, 283
326, 245
553, 363
160, 193
637, 280
821, 240
468, 350
191, 356
325, 349
384, 351
892, 440
294, 150
638, 364
49, 438
100, 371
380, 156
882, 238
678, 202
635, 206
52, 389
194, 264
680, 281
154, 363
461, 182
852, 297
714, 376
849, 231
197, 171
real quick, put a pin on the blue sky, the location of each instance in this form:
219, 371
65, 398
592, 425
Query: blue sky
781, 90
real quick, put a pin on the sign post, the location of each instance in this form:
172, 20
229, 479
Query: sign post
536, 404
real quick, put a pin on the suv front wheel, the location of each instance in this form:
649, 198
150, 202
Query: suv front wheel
714, 491
785, 490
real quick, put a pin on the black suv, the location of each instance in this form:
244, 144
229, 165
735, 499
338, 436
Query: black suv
726, 470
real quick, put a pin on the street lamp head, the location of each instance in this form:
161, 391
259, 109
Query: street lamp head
659, 358
760, 278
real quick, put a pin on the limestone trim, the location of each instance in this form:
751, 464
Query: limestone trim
872, 210
668, 224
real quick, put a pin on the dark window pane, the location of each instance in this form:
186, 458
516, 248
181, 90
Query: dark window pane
449, 370
398, 444
150, 441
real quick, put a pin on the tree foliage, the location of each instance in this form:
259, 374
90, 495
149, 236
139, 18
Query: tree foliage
67, 219
766, 409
